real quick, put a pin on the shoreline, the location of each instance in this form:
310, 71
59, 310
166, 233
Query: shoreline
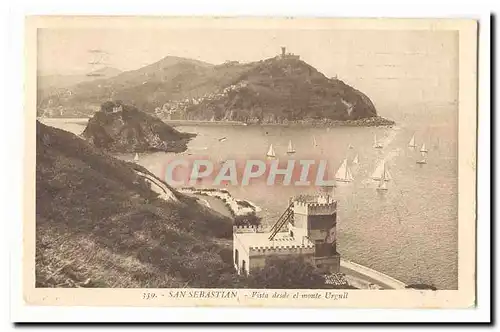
382, 279
324, 123
237, 207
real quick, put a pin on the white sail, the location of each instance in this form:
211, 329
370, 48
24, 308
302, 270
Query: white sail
376, 144
314, 142
290, 147
349, 174
270, 152
423, 148
344, 173
355, 160
381, 172
136, 158
412, 142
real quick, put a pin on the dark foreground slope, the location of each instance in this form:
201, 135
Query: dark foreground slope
98, 224
130, 130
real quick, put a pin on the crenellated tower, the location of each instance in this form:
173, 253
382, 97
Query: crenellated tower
307, 228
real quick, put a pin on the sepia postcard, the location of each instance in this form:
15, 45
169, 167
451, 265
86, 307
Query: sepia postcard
256, 162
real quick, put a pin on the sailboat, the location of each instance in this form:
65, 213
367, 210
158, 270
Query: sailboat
290, 150
344, 173
382, 184
423, 160
382, 172
412, 142
136, 158
355, 161
376, 144
314, 142
270, 152
423, 148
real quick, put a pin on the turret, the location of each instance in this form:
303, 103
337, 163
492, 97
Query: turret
316, 218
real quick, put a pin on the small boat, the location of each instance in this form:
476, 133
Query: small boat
376, 143
350, 146
344, 173
423, 148
136, 158
314, 142
355, 161
423, 160
382, 185
270, 152
222, 139
381, 172
290, 150
412, 142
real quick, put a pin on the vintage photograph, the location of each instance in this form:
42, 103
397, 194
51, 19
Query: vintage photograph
211, 157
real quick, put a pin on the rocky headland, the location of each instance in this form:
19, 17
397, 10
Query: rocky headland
122, 128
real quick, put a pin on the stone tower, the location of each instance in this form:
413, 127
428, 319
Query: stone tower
315, 218
283, 51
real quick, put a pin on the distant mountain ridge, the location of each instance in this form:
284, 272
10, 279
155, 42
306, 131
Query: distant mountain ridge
268, 91
64, 81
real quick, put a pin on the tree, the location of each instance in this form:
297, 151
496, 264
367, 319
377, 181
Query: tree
107, 107
290, 272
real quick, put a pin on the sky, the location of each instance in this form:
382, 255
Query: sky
385, 64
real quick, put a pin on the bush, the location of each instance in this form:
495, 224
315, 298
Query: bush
107, 107
289, 273
421, 286
247, 220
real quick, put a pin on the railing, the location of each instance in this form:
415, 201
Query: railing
282, 220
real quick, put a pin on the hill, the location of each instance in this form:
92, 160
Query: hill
99, 224
278, 89
123, 128
48, 84
288, 89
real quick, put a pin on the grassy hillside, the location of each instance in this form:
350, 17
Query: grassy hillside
270, 90
98, 224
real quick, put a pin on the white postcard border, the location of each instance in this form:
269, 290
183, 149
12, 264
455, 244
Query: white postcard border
170, 309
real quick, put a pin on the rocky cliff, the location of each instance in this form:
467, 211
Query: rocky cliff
123, 128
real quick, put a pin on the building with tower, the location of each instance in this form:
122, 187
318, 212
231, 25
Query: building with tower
285, 55
307, 228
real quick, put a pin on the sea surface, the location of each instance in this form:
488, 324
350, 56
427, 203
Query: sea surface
409, 232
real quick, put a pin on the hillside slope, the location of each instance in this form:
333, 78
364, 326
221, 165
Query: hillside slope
98, 224
270, 90
275, 90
